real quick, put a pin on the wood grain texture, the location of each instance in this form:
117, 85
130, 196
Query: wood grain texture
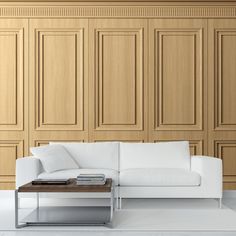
13, 97
149, 10
59, 84
118, 101
221, 96
71, 187
177, 82
59, 77
177, 71
101, 77
11, 79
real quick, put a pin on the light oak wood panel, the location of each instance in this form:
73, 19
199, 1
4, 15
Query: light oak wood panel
11, 78
9, 152
178, 82
176, 70
59, 82
226, 150
121, 9
118, 75
59, 78
13, 97
221, 95
118, 83
225, 96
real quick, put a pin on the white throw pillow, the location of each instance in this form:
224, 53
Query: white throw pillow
54, 157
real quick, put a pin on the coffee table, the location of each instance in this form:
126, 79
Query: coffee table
72, 215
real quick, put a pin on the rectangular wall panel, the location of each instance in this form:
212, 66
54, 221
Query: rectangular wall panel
119, 92
117, 79
221, 96
178, 82
11, 79
225, 114
226, 150
59, 82
59, 102
178, 87
13, 97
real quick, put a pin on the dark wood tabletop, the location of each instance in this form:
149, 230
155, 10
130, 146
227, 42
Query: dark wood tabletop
71, 187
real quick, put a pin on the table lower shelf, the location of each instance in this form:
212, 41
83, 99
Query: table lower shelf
98, 215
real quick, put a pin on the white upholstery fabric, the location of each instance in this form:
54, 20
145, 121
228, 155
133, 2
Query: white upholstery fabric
210, 170
75, 172
94, 155
155, 155
159, 177
54, 157
27, 169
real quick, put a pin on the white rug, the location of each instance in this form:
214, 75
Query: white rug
176, 220
151, 220
146, 217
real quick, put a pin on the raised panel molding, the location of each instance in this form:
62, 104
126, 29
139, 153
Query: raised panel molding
225, 83
117, 11
11, 79
9, 152
196, 147
226, 150
119, 79
59, 71
176, 50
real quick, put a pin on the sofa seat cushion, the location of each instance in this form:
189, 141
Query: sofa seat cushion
159, 177
73, 173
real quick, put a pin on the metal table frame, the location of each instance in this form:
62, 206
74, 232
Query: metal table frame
20, 225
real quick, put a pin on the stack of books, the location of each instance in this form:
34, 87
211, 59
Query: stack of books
91, 179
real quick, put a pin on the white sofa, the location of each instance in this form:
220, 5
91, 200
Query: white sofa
139, 170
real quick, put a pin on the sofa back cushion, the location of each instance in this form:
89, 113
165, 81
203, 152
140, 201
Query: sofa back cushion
94, 155
155, 155
54, 158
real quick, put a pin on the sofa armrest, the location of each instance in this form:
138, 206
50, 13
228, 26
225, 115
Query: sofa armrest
27, 169
210, 170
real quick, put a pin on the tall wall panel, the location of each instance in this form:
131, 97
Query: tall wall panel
59, 82
177, 85
222, 96
118, 80
13, 97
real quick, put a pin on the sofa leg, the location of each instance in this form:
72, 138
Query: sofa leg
117, 198
120, 203
220, 202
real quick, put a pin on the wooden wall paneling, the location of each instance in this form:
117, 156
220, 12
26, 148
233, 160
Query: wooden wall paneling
118, 9
118, 79
177, 86
13, 97
59, 82
221, 96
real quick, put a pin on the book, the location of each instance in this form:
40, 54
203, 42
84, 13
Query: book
91, 176
90, 182
50, 181
91, 179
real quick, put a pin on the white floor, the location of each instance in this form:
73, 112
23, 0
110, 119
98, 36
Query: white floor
162, 217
